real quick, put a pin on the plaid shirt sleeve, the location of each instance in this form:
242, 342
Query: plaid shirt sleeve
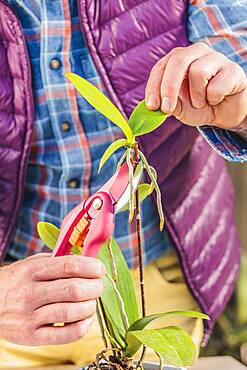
222, 24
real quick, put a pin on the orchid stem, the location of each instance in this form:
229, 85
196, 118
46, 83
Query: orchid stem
140, 246
131, 174
161, 363
102, 320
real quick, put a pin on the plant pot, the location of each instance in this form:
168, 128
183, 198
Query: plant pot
152, 366
155, 366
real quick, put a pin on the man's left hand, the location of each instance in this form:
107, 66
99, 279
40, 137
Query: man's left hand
199, 86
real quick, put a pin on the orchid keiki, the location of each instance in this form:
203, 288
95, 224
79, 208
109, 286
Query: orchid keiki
123, 326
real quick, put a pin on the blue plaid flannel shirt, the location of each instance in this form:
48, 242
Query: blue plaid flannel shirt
70, 136
222, 24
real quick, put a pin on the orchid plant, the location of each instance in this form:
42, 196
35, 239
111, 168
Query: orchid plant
124, 327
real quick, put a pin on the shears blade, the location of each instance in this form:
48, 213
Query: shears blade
124, 199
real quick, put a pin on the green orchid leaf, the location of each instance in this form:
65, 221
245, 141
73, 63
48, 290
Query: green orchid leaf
113, 312
144, 191
241, 292
237, 336
76, 250
173, 344
100, 102
142, 120
48, 233
142, 323
124, 281
110, 150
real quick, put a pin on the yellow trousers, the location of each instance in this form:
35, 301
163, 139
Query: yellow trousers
165, 291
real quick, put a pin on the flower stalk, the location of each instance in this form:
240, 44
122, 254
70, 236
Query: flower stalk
139, 239
140, 246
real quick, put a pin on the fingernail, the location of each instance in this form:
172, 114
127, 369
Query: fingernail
166, 105
152, 101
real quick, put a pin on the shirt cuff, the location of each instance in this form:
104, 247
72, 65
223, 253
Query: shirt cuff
227, 143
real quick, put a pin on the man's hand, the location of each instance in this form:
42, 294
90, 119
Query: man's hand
199, 86
39, 291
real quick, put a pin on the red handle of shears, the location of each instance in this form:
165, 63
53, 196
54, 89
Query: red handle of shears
91, 223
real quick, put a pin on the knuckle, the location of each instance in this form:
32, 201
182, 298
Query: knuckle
39, 317
234, 68
201, 45
29, 295
237, 72
199, 72
178, 48
220, 56
178, 59
195, 70
35, 318
215, 95
157, 67
214, 92
70, 266
34, 270
63, 315
181, 58
205, 72
73, 291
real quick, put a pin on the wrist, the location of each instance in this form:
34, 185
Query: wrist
241, 129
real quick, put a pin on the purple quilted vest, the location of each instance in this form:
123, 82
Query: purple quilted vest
125, 40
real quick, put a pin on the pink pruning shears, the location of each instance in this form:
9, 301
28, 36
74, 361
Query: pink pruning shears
91, 223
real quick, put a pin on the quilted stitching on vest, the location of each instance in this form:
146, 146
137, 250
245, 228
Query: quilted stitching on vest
15, 120
125, 39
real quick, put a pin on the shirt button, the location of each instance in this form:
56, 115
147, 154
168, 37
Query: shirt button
74, 183
55, 64
65, 126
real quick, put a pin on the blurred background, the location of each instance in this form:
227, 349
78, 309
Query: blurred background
230, 334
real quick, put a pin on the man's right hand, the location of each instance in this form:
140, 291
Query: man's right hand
39, 291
